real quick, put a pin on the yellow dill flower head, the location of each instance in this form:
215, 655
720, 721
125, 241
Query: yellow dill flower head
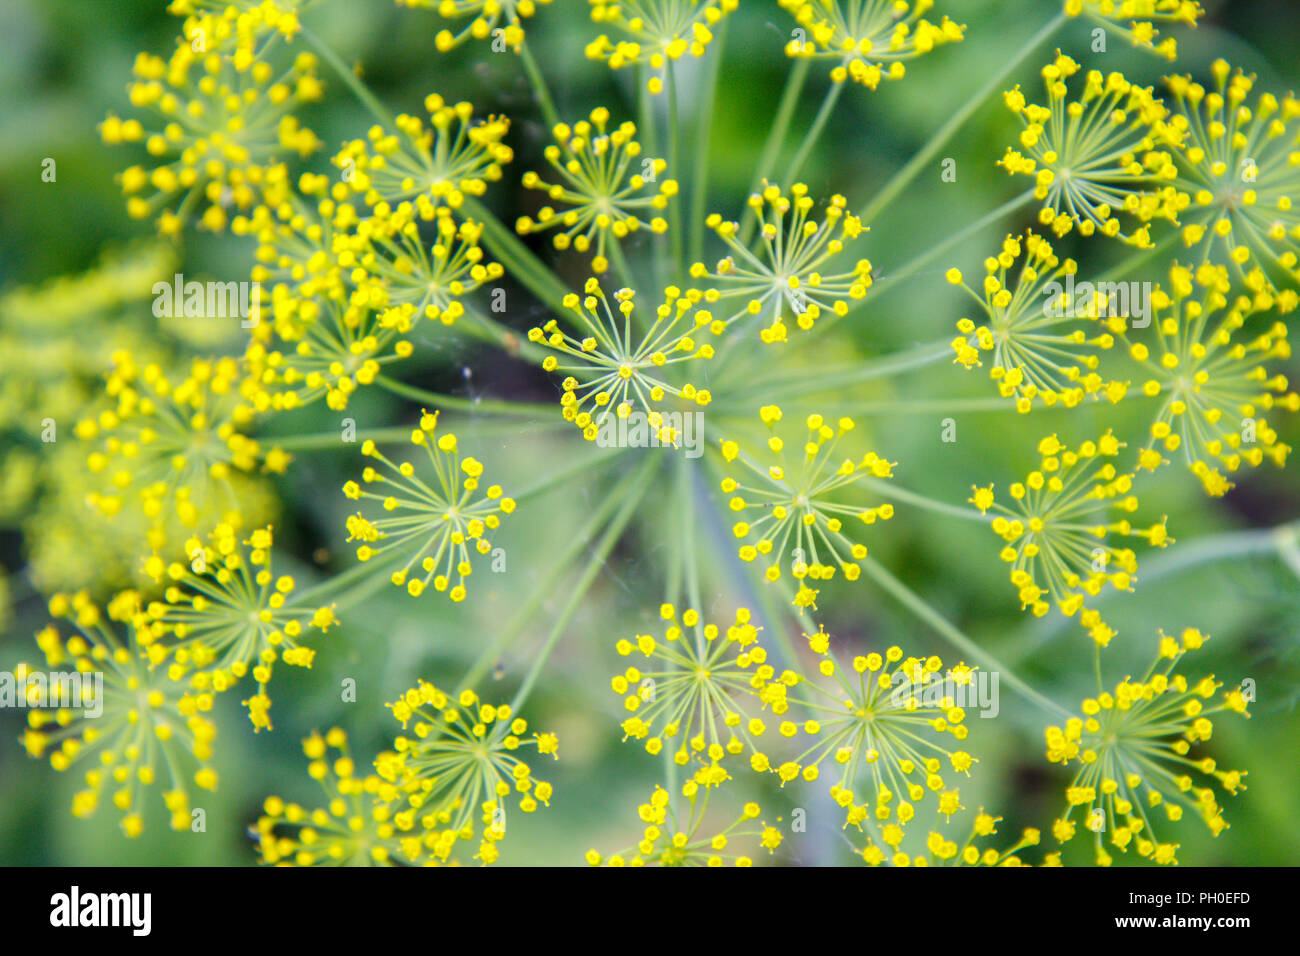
1212, 382
869, 40
458, 770
499, 19
943, 851
169, 446
1053, 552
1132, 747
656, 32
604, 190
221, 115
1034, 357
779, 273
876, 728
689, 690
619, 364
355, 827
433, 523
789, 509
1097, 156
431, 164
225, 613
252, 18
139, 726
676, 836
1238, 177
1135, 19
305, 247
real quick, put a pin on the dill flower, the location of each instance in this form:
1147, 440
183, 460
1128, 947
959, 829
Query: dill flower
432, 279
434, 522
461, 765
869, 40
941, 851
1133, 749
692, 685
1140, 29
223, 115
656, 32
676, 838
434, 164
1213, 386
146, 721
1054, 554
354, 828
780, 275
303, 250
1238, 175
171, 445
605, 193
788, 508
881, 719
1033, 358
1097, 156
488, 16
224, 613
615, 367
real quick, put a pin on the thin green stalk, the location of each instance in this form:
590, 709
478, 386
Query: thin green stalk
517, 258
350, 78
331, 439
813, 381
486, 406
527, 612
639, 485
674, 137
540, 89
889, 490
814, 132
775, 138
703, 135
921, 609
901, 179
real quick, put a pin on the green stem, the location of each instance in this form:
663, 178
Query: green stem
775, 139
639, 485
485, 406
900, 180
517, 258
527, 612
889, 490
539, 86
921, 609
814, 132
350, 78
810, 382
674, 136
330, 439
703, 134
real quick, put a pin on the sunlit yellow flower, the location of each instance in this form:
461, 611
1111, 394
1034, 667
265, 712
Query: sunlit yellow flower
676, 838
657, 31
434, 520
502, 20
147, 725
791, 508
1033, 356
1133, 747
605, 190
1133, 19
868, 39
941, 851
